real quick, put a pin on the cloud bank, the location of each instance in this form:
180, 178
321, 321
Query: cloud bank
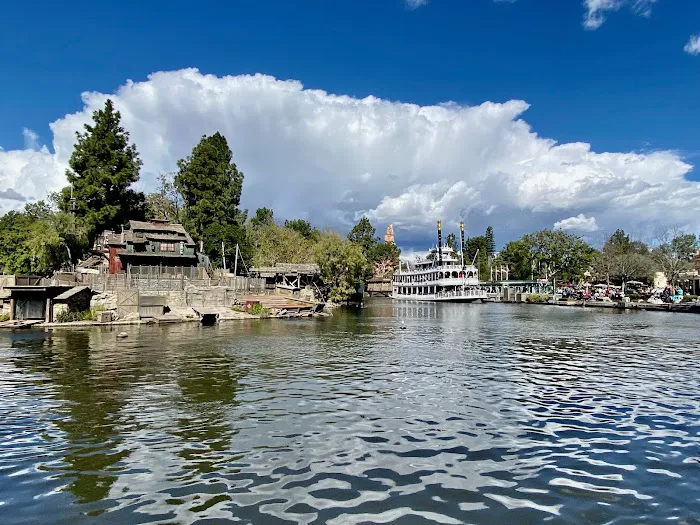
331, 158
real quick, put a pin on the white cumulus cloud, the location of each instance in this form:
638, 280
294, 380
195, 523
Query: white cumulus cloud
693, 45
331, 158
579, 223
31, 139
597, 9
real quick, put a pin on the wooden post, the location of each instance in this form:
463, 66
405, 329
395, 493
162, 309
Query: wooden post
13, 302
47, 314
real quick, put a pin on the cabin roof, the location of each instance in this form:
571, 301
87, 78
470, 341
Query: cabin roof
70, 293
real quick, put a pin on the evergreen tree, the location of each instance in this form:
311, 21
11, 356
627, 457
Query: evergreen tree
263, 217
363, 234
490, 242
210, 185
303, 228
103, 166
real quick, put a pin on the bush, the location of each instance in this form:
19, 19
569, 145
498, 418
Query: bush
4, 317
259, 309
68, 316
689, 298
633, 296
538, 298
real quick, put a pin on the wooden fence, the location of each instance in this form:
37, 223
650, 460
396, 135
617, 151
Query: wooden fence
168, 282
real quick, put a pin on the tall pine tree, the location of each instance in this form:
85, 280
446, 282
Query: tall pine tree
490, 242
103, 167
210, 185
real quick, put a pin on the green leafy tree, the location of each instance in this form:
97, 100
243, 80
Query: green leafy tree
674, 253
165, 203
342, 264
303, 228
273, 244
475, 250
451, 241
518, 258
363, 234
263, 216
559, 255
210, 185
103, 166
15, 257
230, 234
384, 258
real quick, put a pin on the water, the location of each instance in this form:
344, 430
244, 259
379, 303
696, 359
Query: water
471, 414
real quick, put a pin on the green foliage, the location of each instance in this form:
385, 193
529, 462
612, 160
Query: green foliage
210, 185
688, 298
517, 257
303, 228
685, 246
231, 234
384, 258
342, 263
263, 216
15, 257
538, 298
4, 317
475, 249
272, 244
451, 241
39, 240
490, 242
363, 234
165, 203
559, 255
103, 166
68, 316
259, 309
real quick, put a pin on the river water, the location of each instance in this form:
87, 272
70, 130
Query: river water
399, 413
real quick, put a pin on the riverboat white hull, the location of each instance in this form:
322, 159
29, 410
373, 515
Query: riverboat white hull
444, 298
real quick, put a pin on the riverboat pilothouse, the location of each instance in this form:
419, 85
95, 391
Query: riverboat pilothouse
440, 276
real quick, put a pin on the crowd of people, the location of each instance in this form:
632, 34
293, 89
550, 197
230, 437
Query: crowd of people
636, 290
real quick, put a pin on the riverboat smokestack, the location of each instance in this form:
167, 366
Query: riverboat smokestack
439, 225
461, 241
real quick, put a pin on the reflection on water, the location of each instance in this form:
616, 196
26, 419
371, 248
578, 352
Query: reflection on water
401, 412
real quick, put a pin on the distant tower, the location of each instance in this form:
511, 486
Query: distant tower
389, 237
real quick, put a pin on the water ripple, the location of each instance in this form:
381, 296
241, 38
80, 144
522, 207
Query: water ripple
472, 414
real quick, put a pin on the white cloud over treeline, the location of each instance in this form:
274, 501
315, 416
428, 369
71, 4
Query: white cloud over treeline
331, 158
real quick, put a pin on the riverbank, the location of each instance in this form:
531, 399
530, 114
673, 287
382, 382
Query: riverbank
620, 305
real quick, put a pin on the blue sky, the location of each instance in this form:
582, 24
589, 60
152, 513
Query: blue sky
627, 86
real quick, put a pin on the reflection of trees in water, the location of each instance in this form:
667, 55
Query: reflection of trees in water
92, 396
209, 384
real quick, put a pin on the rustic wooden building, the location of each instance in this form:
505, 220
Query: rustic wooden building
147, 243
33, 303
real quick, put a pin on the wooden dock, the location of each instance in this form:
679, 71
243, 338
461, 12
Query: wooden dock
19, 324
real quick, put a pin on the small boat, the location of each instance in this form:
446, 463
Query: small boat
440, 276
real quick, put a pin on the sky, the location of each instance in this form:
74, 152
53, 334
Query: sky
579, 114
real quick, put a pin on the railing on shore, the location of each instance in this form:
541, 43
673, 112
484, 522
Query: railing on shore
170, 279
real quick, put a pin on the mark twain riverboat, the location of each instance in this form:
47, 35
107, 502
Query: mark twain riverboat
440, 276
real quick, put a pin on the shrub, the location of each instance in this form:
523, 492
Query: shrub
538, 298
68, 316
4, 317
259, 309
633, 296
689, 298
